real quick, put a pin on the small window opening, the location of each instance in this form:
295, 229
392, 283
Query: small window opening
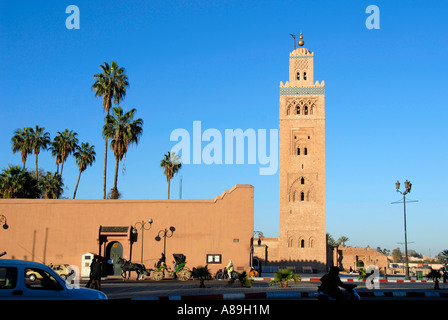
298, 75
304, 76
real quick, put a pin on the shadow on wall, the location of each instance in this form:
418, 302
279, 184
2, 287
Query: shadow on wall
298, 266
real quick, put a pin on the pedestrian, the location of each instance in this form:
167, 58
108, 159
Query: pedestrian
230, 269
95, 274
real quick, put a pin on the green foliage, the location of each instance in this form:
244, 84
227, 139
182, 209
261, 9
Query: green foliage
171, 164
283, 276
201, 273
434, 275
18, 183
242, 278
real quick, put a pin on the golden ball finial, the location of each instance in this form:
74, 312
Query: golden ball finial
301, 42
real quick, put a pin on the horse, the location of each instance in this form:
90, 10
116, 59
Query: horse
128, 266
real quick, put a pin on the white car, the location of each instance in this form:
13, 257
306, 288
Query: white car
27, 280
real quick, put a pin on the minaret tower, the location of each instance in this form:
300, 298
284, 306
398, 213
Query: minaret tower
302, 233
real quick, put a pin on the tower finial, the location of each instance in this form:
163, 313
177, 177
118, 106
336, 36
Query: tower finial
301, 42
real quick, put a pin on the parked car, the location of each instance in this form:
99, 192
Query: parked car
27, 280
63, 270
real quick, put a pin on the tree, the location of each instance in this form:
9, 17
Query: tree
434, 275
17, 183
62, 146
110, 84
51, 185
85, 156
123, 130
39, 140
397, 256
443, 256
342, 240
171, 164
201, 273
282, 276
331, 241
384, 251
21, 142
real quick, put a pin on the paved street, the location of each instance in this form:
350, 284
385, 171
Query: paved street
305, 289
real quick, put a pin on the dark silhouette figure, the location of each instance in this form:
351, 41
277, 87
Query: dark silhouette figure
95, 274
330, 284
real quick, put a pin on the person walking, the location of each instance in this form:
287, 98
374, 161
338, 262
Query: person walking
95, 274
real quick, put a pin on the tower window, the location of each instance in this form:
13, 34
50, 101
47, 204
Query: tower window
298, 151
302, 196
302, 181
298, 75
302, 243
297, 110
306, 109
306, 151
304, 76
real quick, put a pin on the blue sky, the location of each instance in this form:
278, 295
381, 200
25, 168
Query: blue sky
221, 62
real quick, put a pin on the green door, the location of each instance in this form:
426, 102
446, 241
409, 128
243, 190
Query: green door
116, 251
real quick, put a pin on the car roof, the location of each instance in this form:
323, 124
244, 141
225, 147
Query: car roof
13, 262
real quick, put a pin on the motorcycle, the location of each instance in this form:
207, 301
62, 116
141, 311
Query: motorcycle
350, 294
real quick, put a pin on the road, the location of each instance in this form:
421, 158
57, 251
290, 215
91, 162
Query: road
218, 289
175, 299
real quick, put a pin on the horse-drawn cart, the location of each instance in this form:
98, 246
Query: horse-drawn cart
179, 272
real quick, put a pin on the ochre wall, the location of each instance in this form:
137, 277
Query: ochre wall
61, 231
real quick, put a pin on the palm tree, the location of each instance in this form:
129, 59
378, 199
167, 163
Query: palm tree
39, 140
21, 142
17, 183
110, 84
283, 276
62, 146
123, 130
201, 273
171, 164
342, 240
51, 185
85, 156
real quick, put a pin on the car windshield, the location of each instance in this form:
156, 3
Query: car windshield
38, 279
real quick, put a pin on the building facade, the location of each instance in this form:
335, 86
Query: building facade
302, 234
207, 231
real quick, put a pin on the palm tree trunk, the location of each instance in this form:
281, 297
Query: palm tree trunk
62, 167
104, 172
77, 183
169, 188
116, 174
37, 175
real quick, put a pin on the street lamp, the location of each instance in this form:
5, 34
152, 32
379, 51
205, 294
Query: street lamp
164, 234
407, 186
143, 227
3, 221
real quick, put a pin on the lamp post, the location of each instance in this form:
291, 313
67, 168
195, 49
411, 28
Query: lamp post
260, 237
143, 227
3, 221
164, 234
407, 186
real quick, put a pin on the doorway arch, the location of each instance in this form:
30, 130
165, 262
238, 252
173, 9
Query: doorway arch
114, 251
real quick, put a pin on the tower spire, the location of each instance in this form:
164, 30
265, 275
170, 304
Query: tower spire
301, 42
